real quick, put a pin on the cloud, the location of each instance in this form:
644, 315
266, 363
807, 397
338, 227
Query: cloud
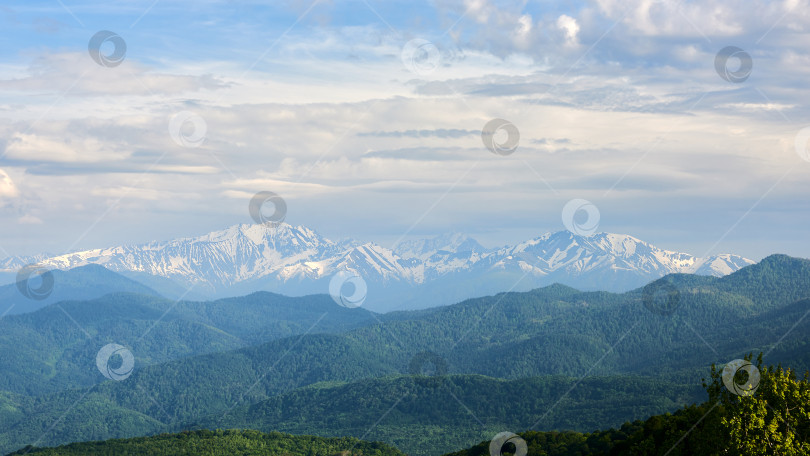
29, 219
440, 133
70, 149
618, 102
569, 27
74, 74
7, 187
697, 19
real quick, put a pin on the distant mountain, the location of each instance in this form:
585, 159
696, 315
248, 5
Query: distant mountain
439, 247
295, 260
53, 348
88, 281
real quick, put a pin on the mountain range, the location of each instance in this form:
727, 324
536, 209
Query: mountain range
296, 261
428, 381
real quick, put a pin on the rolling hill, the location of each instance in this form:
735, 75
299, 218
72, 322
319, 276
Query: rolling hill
81, 283
55, 347
222, 443
551, 331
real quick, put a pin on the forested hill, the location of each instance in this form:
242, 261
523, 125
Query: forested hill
428, 416
52, 349
554, 331
221, 443
744, 416
765, 416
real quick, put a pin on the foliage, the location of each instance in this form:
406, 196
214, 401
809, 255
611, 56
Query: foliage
47, 350
426, 416
774, 421
221, 443
421, 415
555, 331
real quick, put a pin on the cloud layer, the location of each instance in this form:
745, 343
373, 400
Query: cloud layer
365, 135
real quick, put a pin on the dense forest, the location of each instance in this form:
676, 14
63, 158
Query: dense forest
221, 443
429, 415
603, 358
773, 420
45, 351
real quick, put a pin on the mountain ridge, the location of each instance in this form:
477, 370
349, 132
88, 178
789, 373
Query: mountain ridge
553, 331
83, 282
296, 260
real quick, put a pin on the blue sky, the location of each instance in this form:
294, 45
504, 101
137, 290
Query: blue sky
616, 102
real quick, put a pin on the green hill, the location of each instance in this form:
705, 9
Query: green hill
54, 348
222, 443
78, 284
774, 420
554, 331
430, 415
420, 415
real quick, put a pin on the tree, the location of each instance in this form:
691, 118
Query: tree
771, 417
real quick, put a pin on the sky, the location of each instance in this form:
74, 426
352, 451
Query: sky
131, 121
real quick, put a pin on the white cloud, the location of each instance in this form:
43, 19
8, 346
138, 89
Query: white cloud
642, 109
65, 148
75, 74
7, 187
570, 27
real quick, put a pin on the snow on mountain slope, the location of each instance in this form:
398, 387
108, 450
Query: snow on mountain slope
720, 265
578, 255
448, 243
214, 260
297, 260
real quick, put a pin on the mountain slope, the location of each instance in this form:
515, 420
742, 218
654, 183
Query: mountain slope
550, 331
420, 415
773, 420
222, 443
296, 260
89, 281
55, 347
432, 415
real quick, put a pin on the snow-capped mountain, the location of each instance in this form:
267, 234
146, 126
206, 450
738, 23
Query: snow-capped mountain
296, 260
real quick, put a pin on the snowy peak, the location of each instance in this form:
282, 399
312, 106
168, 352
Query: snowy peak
375, 262
447, 243
578, 255
721, 265
281, 237
296, 260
